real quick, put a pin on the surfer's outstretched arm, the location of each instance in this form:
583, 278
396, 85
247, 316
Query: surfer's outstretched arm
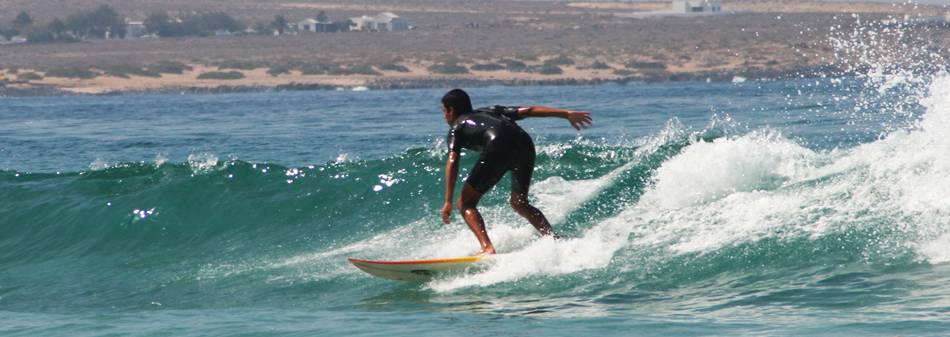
578, 119
451, 175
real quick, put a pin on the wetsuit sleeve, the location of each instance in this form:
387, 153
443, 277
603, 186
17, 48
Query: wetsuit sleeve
452, 139
511, 112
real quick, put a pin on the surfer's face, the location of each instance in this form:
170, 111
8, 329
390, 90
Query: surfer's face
449, 114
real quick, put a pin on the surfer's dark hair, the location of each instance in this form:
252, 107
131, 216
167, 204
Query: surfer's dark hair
458, 100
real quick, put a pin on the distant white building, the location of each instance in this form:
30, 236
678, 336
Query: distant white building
134, 29
363, 23
307, 25
382, 21
697, 6
391, 22
314, 25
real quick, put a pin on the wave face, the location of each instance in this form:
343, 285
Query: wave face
722, 228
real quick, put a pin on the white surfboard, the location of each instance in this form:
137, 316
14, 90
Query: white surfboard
416, 270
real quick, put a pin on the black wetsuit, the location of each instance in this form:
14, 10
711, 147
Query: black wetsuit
504, 147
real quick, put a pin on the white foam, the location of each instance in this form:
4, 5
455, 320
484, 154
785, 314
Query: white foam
709, 197
545, 256
342, 158
160, 159
936, 250
202, 162
558, 197
98, 165
705, 171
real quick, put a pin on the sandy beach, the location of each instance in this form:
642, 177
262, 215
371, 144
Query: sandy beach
550, 42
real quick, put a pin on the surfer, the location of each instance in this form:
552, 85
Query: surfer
504, 147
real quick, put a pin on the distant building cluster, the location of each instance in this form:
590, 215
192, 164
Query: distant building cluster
920, 20
106, 23
697, 6
385, 21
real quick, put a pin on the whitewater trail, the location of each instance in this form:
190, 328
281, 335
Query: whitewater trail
748, 188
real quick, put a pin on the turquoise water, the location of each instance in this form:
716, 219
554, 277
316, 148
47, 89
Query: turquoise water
794, 207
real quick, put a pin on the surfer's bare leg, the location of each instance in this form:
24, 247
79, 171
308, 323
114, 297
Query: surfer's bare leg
467, 203
519, 202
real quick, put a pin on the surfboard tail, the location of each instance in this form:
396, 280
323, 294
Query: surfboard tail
415, 270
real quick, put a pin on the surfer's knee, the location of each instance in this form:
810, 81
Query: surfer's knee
469, 198
519, 202
466, 203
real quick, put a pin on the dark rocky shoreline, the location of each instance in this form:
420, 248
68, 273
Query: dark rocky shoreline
7, 91
393, 84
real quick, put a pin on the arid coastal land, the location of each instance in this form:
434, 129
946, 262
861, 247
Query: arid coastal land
450, 42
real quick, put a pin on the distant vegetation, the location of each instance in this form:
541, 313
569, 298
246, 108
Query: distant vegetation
548, 69
125, 70
361, 70
221, 75
327, 67
315, 69
106, 22
170, 67
278, 24
239, 65
29, 77
393, 67
206, 24
487, 67
559, 61
623, 72
448, 69
103, 22
515, 65
278, 70
527, 57
72, 72
119, 70
645, 65
330, 68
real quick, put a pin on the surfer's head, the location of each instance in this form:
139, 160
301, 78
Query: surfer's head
455, 102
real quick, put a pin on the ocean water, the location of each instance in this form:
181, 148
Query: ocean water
786, 207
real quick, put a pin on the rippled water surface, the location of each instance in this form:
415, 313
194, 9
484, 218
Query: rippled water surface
794, 207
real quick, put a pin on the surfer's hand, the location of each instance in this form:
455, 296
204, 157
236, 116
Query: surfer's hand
446, 212
579, 119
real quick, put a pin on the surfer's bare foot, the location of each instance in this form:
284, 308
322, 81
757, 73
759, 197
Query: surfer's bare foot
487, 251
